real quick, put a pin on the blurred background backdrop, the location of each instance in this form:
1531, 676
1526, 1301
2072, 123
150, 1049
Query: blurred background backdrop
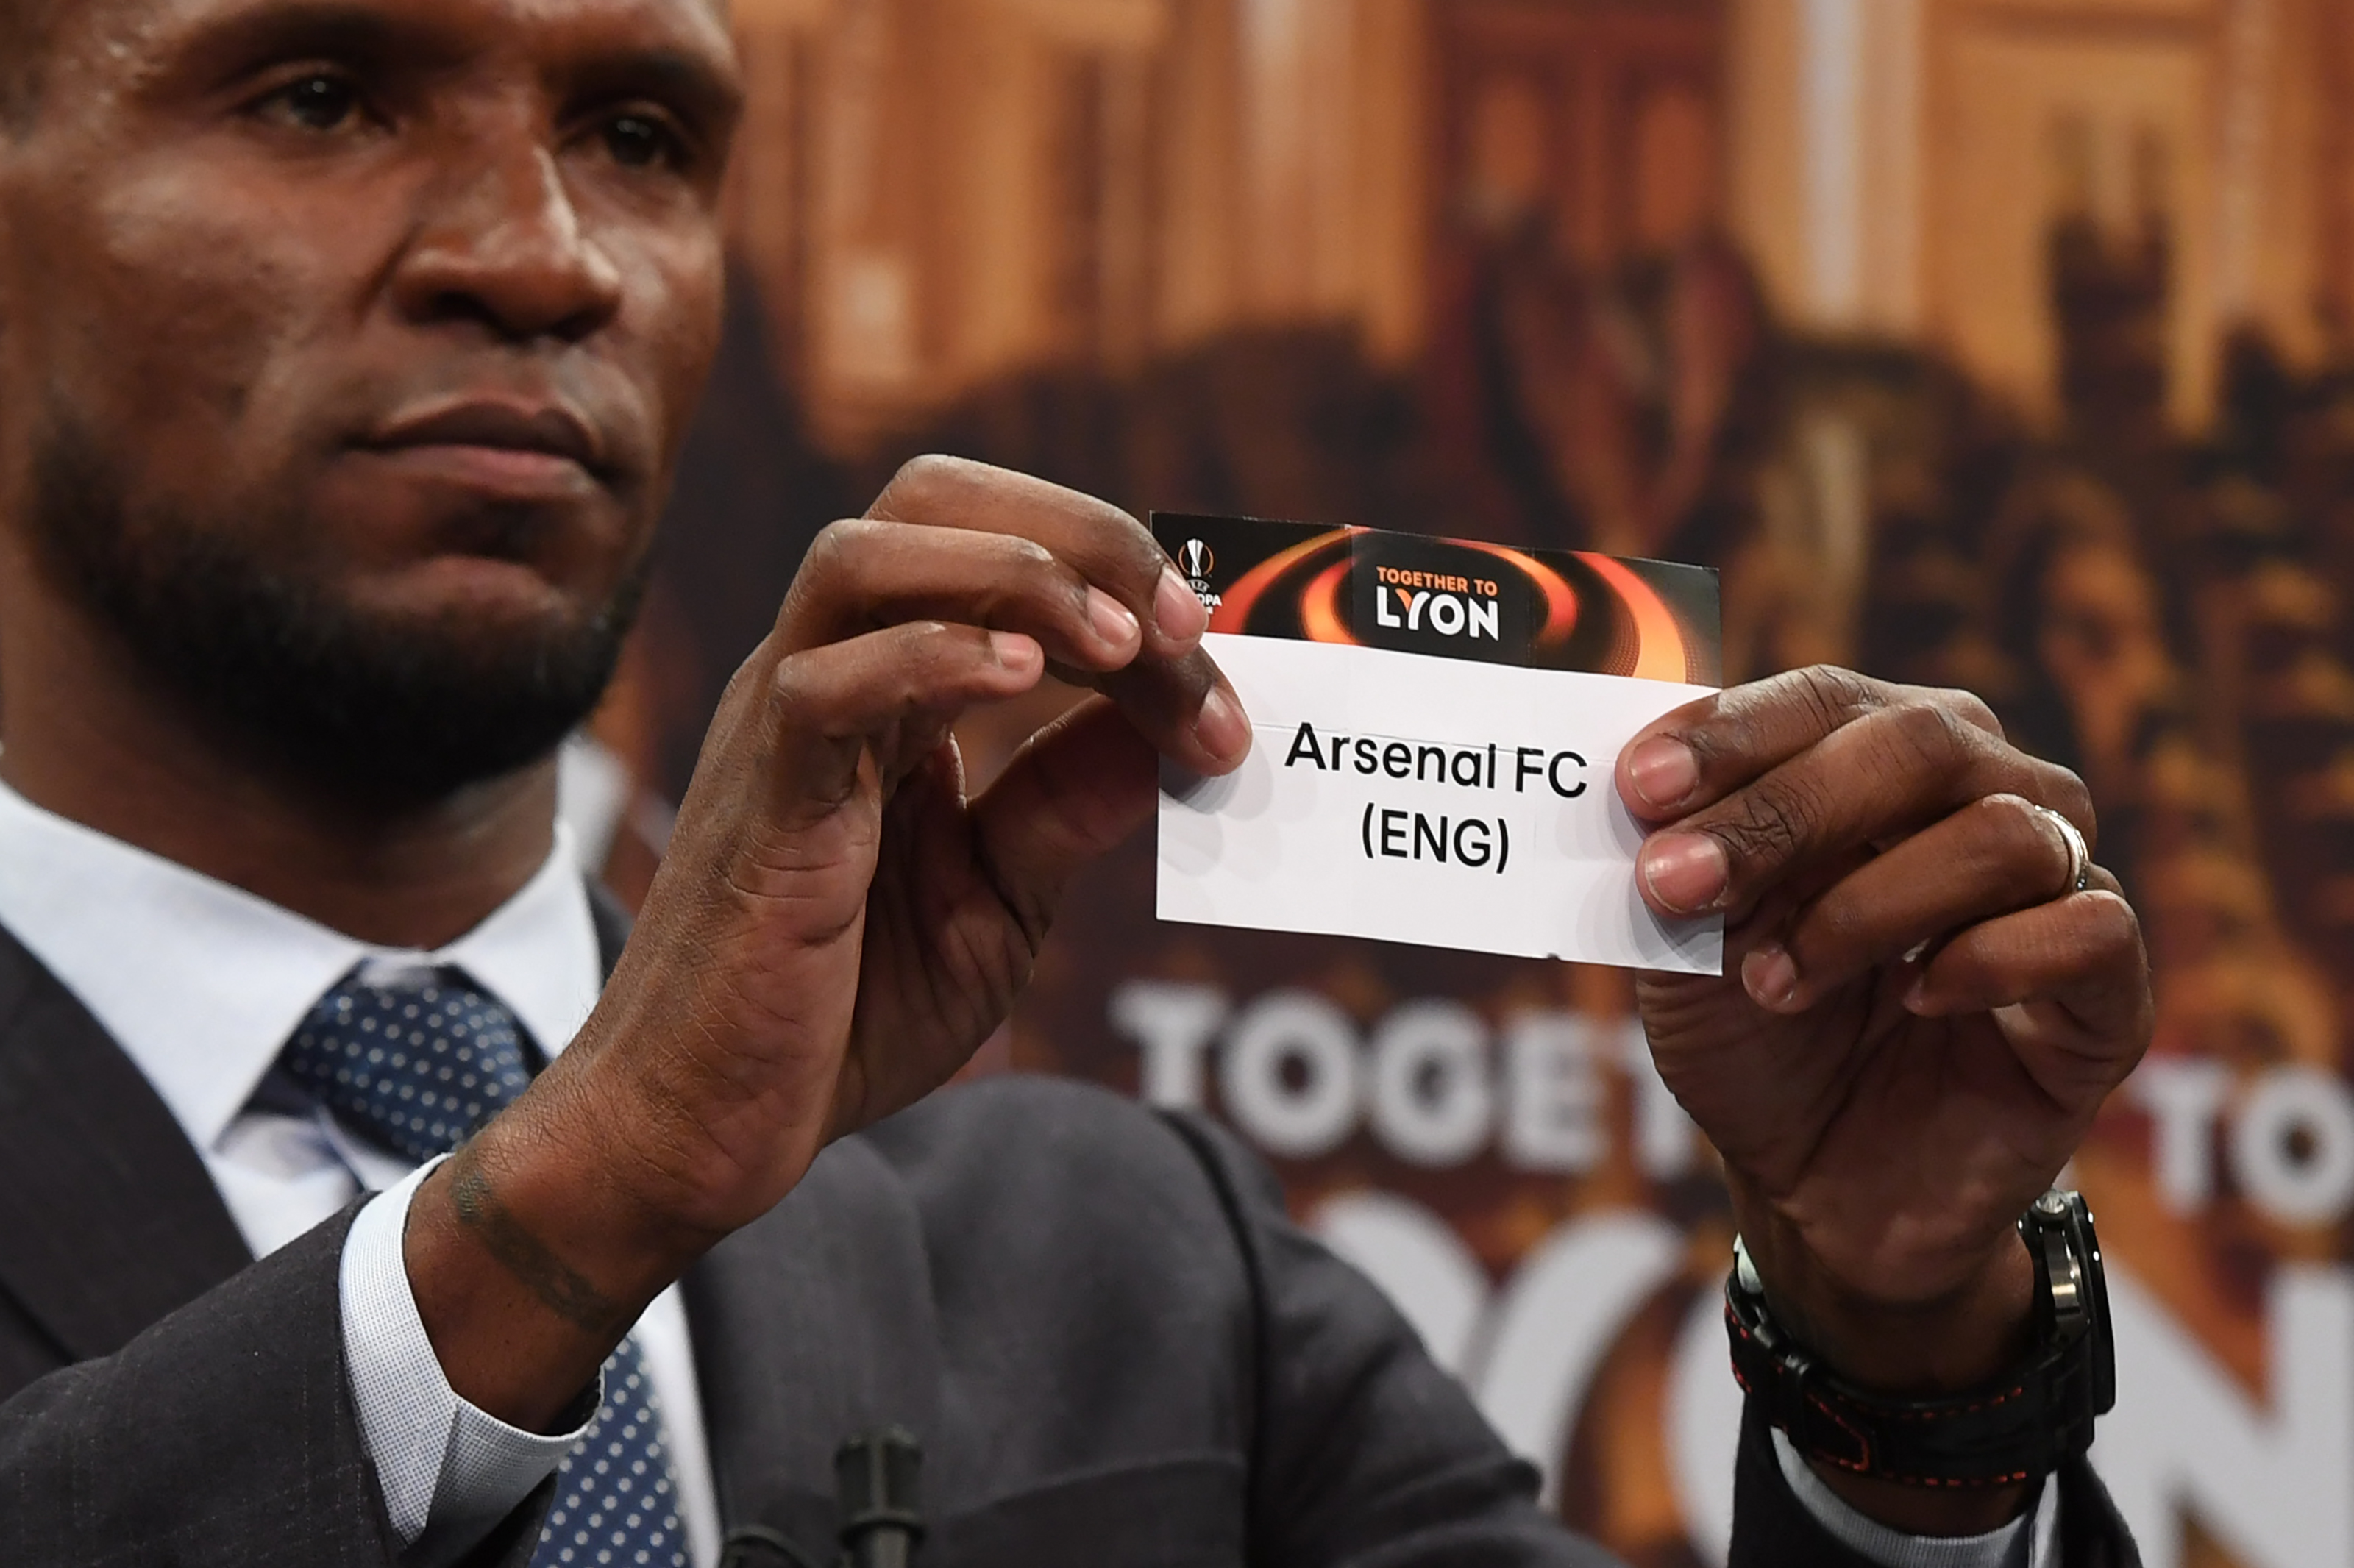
2007, 344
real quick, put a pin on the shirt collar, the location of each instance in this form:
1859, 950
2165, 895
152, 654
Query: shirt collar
202, 983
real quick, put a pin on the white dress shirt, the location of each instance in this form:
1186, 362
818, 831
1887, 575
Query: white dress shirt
2031, 1540
202, 984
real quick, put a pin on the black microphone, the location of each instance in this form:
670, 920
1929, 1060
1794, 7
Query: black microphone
875, 1482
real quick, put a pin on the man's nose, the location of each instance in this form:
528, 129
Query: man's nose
503, 245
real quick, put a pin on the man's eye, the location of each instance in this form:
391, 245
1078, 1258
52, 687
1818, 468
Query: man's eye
316, 102
641, 142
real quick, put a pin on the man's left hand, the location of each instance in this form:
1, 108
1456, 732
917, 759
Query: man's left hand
1921, 1011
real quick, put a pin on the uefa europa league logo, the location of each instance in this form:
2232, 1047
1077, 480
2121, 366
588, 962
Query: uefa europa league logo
1198, 561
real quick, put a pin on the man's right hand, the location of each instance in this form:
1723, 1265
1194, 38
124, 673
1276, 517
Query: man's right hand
836, 927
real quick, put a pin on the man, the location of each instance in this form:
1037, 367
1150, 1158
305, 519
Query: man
345, 348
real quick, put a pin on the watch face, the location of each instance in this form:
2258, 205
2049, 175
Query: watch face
2064, 1285
2059, 1230
2044, 1417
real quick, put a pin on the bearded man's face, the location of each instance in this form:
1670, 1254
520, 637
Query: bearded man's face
345, 352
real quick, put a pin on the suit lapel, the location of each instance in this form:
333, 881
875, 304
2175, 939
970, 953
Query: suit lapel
814, 1324
612, 923
108, 1218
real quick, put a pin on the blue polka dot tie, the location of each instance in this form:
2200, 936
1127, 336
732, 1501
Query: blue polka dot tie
416, 1063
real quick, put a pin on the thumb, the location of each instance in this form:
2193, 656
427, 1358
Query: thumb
1075, 790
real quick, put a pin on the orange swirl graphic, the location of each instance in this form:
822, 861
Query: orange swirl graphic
1320, 607
1660, 641
1230, 615
1561, 600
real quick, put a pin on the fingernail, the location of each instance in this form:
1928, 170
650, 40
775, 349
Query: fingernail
1110, 620
1223, 730
1769, 975
1685, 871
1916, 995
1177, 612
1012, 651
1663, 771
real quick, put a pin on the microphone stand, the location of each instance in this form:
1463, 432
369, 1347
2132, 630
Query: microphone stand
876, 1480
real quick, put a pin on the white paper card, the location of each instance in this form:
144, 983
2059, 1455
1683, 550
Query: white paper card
1413, 798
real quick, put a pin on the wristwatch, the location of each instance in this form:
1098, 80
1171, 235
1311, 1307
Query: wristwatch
2017, 1428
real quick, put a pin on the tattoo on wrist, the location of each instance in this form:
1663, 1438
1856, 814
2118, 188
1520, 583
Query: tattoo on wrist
559, 1288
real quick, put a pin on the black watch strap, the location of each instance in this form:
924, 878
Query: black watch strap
2018, 1428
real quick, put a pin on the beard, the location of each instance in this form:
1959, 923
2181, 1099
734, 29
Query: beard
376, 710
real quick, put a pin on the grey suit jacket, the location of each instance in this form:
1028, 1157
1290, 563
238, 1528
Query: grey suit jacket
1114, 1347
